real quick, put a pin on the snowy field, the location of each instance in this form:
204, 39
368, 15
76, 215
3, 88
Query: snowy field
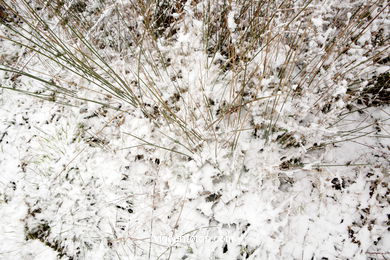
194, 129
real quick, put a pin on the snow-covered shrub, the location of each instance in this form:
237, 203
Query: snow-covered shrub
230, 116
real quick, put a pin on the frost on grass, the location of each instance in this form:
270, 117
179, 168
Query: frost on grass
194, 130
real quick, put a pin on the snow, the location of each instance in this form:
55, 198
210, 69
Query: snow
78, 182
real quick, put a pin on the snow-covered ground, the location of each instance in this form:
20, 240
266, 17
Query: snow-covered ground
272, 163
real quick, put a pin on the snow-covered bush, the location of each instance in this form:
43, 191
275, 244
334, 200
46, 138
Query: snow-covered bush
251, 121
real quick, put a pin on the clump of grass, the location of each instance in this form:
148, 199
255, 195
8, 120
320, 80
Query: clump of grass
261, 49
268, 67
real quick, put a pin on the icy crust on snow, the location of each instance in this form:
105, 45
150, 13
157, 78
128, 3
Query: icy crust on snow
75, 182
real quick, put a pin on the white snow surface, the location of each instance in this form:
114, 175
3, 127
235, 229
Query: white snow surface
76, 184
